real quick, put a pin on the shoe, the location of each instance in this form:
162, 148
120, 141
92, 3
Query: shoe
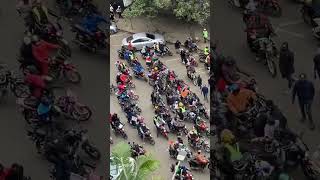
312, 126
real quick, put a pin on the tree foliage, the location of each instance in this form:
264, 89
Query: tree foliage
192, 11
133, 169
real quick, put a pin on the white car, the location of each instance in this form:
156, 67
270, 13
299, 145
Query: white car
139, 40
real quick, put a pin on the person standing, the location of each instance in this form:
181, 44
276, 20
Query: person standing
316, 63
205, 91
286, 63
205, 35
199, 81
119, 11
304, 89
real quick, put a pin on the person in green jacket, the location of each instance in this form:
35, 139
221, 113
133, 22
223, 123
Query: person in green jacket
205, 35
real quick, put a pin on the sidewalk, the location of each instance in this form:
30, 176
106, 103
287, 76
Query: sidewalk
171, 28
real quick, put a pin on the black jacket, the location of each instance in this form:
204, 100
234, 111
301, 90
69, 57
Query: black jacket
286, 63
304, 89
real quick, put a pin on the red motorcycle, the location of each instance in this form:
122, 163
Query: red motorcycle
64, 69
202, 127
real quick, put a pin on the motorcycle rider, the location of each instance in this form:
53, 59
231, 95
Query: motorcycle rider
40, 13
206, 51
200, 159
115, 121
41, 50
36, 82
159, 122
177, 45
239, 99
26, 52
143, 130
193, 137
90, 24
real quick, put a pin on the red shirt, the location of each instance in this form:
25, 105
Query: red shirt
42, 49
35, 80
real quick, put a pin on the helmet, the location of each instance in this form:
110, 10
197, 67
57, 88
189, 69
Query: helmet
227, 136
156, 68
199, 151
35, 38
26, 40
180, 104
234, 87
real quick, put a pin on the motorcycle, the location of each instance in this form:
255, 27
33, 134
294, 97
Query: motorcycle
53, 33
64, 69
268, 52
178, 128
271, 7
163, 131
120, 130
70, 107
181, 150
202, 128
139, 73
15, 84
91, 42
137, 150
128, 94
76, 7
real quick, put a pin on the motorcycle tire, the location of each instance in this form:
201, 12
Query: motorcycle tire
272, 68
132, 85
152, 142
21, 90
92, 151
73, 76
135, 97
124, 135
78, 114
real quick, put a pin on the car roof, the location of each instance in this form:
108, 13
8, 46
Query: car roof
139, 35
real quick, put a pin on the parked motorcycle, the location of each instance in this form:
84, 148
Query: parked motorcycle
70, 107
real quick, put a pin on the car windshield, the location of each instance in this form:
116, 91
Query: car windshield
129, 38
151, 36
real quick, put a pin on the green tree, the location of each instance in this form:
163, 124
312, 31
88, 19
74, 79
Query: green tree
133, 169
191, 11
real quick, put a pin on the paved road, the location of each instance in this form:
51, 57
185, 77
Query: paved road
15, 146
144, 91
229, 31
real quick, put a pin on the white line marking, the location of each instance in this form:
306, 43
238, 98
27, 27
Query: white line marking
290, 23
119, 34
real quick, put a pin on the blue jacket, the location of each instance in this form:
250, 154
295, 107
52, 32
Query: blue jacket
138, 69
304, 90
91, 22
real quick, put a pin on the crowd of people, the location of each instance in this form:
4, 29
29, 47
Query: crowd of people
252, 136
174, 103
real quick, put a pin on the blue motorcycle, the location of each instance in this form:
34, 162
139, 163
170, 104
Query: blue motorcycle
138, 72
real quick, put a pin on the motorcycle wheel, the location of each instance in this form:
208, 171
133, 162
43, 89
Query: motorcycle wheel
152, 142
21, 90
135, 97
124, 135
132, 85
93, 152
81, 113
73, 76
272, 67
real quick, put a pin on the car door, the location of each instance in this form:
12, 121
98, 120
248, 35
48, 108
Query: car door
138, 43
148, 42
